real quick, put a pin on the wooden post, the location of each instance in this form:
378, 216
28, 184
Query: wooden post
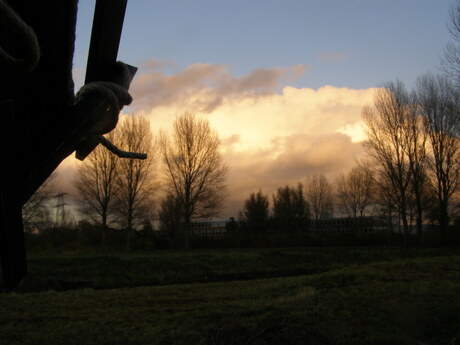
12, 246
105, 39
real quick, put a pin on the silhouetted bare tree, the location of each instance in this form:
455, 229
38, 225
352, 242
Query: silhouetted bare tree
439, 102
320, 196
96, 185
135, 177
416, 145
355, 191
36, 213
387, 128
384, 199
195, 172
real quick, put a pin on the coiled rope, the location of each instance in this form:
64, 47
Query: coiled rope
116, 97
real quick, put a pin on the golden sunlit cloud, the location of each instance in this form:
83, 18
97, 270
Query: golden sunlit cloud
270, 138
272, 135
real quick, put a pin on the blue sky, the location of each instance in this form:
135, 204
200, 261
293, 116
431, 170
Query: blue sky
344, 43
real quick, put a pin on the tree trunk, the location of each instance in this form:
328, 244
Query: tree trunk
444, 217
419, 220
186, 232
403, 213
403, 210
129, 227
104, 232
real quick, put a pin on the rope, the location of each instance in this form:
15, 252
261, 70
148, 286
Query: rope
120, 153
116, 97
28, 41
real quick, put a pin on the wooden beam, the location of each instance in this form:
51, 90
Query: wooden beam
105, 39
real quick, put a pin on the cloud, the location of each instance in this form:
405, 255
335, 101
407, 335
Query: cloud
229, 142
272, 134
332, 57
269, 138
258, 120
203, 87
287, 161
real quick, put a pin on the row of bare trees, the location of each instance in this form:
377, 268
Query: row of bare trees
413, 169
410, 174
122, 191
115, 190
293, 207
413, 142
352, 195
372, 188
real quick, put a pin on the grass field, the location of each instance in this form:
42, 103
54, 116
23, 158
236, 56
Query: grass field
265, 296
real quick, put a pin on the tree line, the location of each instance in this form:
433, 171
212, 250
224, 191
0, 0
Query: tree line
410, 175
413, 141
185, 166
119, 191
295, 208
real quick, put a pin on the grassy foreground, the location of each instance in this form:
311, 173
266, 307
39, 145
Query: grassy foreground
113, 270
412, 300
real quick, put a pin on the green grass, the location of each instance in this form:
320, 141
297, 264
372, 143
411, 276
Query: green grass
398, 297
102, 271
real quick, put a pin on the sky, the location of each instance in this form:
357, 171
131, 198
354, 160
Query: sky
282, 82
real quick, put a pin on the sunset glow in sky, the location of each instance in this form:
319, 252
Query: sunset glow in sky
283, 82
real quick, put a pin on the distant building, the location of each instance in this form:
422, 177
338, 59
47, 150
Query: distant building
347, 225
209, 227
331, 225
